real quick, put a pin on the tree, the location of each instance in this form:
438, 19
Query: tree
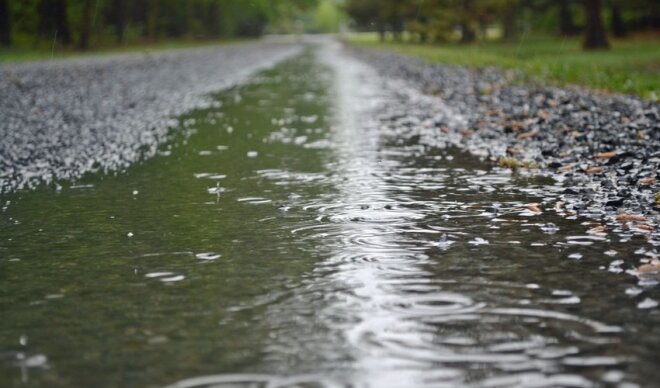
5, 23
567, 26
86, 25
119, 18
618, 28
468, 34
367, 14
54, 20
595, 38
510, 16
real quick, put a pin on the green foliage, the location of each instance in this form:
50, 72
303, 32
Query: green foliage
327, 16
631, 67
470, 20
34, 25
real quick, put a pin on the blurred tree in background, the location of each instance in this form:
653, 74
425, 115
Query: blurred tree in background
84, 24
468, 21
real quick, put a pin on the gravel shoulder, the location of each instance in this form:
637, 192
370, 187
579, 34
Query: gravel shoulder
602, 150
62, 119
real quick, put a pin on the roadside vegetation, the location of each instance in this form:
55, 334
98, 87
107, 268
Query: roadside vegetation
42, 29
632, 66
610, 45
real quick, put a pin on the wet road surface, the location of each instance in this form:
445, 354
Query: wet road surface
290, 235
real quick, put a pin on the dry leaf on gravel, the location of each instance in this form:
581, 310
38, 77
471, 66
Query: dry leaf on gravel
630, 217
594, 170
528, 135
650, 269
605, 155
647, 181
600, 229
544, 115
534, 207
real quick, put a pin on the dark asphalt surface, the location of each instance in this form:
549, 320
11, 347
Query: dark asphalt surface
61, 119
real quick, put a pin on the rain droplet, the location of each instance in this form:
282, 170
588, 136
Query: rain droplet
479, 241
647, 303
208, 256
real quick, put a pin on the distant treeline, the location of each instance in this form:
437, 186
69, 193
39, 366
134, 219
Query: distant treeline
469, 20
84, 23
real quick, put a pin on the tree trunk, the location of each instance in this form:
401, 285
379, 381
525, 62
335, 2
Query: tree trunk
618, 28
397, 30
510, 25
152, 20
120, 20
62, 21
567, 26
86, 26
468, 35
54, 21
381, 30
595, 38
5, 24
213, 20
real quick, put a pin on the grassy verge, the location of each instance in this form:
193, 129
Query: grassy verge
632, 66
25, 54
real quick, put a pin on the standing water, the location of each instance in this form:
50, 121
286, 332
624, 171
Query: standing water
306, 232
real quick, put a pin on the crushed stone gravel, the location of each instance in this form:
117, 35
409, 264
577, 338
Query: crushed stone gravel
62, 119
602, 149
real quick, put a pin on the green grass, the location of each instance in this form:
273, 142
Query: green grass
27, 54
632, 66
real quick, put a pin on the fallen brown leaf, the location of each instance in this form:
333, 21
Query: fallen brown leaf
630, 217
647, 181
515, 125
544, 115
528, 135
645, 227
649, 269
597, 230
565, 168
594, 170
534, 207
605, 155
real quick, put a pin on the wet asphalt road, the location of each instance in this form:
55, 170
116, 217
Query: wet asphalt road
61, 119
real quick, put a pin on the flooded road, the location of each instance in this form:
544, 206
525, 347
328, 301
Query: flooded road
310, 230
